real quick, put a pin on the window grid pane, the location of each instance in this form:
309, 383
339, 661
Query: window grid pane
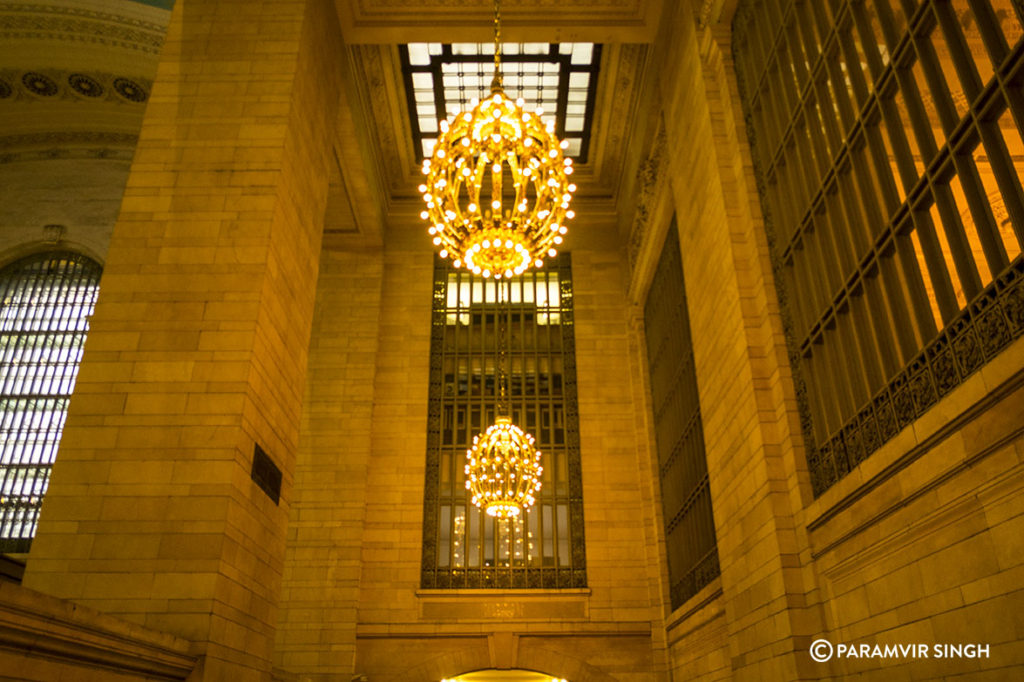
442, 79
913, 223
45, 304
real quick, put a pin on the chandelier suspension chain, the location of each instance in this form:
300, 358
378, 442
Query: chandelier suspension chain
496, 82
504, 410
499, 236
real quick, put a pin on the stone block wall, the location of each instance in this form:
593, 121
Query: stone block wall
317, 622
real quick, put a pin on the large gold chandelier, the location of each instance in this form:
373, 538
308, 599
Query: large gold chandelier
497, 190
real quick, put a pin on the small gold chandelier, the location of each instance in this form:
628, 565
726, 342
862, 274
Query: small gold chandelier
503, 466
503, 471
497, 233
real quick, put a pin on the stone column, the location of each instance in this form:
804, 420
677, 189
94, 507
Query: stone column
751, 430
197, 349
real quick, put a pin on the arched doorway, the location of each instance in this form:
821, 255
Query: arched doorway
504, 676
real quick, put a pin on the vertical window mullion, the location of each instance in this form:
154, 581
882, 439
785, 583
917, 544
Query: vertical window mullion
942, 98
959, 51
868, 338
861, 87
880, 161
868, 40
686, 505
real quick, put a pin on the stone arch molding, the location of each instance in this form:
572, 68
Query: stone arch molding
558, 663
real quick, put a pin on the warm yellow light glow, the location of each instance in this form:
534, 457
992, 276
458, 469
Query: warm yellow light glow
497, 192
503, 470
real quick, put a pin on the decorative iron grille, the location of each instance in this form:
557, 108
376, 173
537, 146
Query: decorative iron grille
45, 304
887, 142
679, 433
463, 547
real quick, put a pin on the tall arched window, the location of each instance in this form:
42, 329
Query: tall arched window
45, 303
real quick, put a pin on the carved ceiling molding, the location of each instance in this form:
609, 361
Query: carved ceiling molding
703, 12
619, 88
67, 145
20, 21
371, 6
585, 9
650, 182
400, 21
41, 85
379, 83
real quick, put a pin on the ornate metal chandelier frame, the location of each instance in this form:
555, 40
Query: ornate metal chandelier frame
500, 233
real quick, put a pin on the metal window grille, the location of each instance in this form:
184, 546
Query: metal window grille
442, 79
45, 304
463, 547
679, 433
889, 155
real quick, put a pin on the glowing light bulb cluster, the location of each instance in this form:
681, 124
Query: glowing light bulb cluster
497, 188
503, 470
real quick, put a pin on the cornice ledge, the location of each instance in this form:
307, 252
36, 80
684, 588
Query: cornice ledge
36, 625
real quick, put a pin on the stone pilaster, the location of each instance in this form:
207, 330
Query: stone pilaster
746, 396
316, 633
197, 349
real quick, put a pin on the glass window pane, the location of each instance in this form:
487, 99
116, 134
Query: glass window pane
947, 257
889, 16
1015, 146
872, 37
915, 150
969, 25
1008, 19
977, 253
465, 82
419, 54
689, 527
932, 131
888, 106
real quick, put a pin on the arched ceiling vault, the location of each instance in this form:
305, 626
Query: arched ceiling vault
74, 79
